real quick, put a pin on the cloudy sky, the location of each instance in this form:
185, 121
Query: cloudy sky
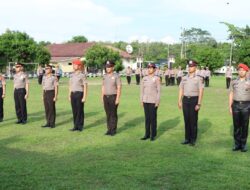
127, 20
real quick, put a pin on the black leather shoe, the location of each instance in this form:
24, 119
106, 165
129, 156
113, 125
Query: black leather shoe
1, 120
192, 144
24, 122
80, 130
185, 142
107, 133
45, 126
73, 129
52, 126
18, 122
236, 148
152, 138
113, 133
244, 149
144, 138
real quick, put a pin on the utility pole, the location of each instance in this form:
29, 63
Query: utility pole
182, 42
231, 52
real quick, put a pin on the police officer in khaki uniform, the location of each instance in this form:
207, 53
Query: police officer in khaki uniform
239, 107
40, 74
50, 92
228, 76
167, 76
190, 96
77, 95
207, 76
111, 92
150, 100
172, 76
179, 75
128, 75
138, 75
21, 93
2, 95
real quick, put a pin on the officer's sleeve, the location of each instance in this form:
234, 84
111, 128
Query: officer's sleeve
201, 83
3, 80
181, 86
84, 80
26, 79
56, 83
118, 81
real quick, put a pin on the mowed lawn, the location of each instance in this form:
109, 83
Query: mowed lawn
32, 157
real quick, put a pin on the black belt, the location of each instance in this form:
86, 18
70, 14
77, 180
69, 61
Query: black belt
76, 92
19, 88
241, 102
48, 90
190, 97
112, 95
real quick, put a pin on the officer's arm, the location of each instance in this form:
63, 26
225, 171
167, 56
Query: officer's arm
56, 91
27, 89
230, 99
180, 95
4, 88
119, 88
69, 90
85, 92
158, 91
200, 96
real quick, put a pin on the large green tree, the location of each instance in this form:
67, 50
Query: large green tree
97, 55
197, 35
241, 40
18, 46
78, 39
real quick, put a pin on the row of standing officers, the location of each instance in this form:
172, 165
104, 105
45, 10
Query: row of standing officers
191, 90
171, 76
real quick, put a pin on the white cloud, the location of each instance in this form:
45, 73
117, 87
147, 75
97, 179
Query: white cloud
168, 40
55, 19
220, 9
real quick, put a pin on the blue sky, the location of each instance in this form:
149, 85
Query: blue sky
127, 20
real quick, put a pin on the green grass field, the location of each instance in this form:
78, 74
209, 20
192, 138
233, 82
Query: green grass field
32, 157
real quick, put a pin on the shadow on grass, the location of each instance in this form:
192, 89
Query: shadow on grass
167, 125
131, 124
203, 126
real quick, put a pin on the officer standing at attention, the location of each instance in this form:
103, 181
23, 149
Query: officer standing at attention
58, 72
150, 100
50, 92
167, 76
239, 107
207, 76
138, 75
21, 93
228, 76
179, 75
128, 74
111, 92
40, 74
190, 96
78, 90
2, 95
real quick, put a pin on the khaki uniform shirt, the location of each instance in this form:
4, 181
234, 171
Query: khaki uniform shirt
77, 81
20, 80
110, 83
191, 85
49, 82
150, 90
240, 89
